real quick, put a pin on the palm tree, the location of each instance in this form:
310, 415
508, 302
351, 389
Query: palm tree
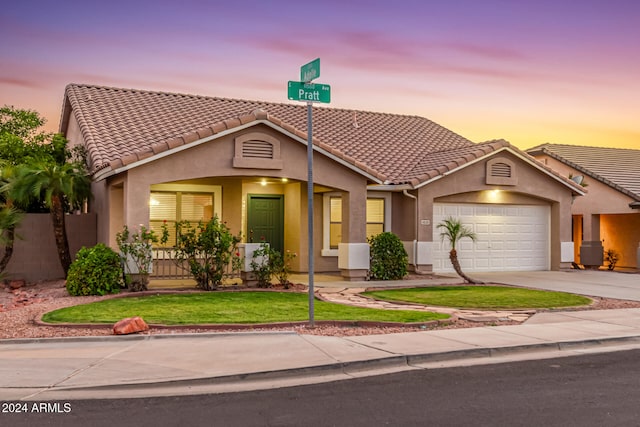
9, 216
61, 187
453, 232
9, 219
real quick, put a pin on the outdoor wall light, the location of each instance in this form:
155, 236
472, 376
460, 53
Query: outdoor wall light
494, 195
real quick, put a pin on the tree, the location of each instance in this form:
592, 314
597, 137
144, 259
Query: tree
20, 142
453, 232
9, 218
38, 173
62, 187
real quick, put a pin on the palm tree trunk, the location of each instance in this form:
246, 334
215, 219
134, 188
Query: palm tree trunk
60, 232
10, 237
453, 256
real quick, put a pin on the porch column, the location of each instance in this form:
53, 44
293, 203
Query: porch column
136, 205
232, 202
423, 258
353, 253
561, 235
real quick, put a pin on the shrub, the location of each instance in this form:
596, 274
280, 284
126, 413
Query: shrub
95, 271
135, 247
612, 257
209, 249
388, 257
267, 262
261, 265
281, 266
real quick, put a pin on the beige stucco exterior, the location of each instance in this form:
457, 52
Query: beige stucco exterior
123, 198
122, 195
532, 187
604, 215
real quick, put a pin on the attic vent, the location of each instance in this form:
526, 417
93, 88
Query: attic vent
501, 170
257, 149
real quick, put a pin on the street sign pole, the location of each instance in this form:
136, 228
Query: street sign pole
310, 208
304, 90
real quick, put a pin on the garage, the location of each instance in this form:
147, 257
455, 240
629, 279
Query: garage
510, 237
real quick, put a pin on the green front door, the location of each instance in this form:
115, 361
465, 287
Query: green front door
265, 219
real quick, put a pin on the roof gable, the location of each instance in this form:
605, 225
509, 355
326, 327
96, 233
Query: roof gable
618, 168
454, 160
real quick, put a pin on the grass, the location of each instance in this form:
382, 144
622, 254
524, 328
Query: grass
227, 308
481, 297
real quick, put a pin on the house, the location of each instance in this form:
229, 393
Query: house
608, 217
158, 156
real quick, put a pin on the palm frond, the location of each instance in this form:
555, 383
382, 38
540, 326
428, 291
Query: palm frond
454, 230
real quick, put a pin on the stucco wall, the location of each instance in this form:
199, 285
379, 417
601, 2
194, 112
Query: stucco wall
403, 219
212, 163
600, 198
35, 256
605, 215
622, 234
533, 187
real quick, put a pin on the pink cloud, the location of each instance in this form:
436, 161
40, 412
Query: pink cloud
25, 83
377, 51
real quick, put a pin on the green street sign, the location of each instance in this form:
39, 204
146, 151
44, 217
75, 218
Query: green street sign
310, 71
311, 92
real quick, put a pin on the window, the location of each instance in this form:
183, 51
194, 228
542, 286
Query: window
377, 219
173, 207
335, 222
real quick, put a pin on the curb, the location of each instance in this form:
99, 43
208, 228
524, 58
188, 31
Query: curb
354, 367
137, 337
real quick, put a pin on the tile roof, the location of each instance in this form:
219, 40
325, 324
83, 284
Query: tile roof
123, 126
617, 167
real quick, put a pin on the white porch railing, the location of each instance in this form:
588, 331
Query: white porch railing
166, 266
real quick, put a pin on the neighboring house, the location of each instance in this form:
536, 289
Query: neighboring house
608, 217
158, 156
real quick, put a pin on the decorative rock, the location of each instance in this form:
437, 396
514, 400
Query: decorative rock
130, 325
16, 284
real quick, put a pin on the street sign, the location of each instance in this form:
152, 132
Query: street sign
312, 92
310, 71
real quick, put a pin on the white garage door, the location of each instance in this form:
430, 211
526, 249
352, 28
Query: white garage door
510, 237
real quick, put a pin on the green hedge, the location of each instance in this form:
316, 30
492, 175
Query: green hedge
388, 257
95, 271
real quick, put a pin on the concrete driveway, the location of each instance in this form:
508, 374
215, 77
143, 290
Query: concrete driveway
608, 284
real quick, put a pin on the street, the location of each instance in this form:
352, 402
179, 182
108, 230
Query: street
590, 390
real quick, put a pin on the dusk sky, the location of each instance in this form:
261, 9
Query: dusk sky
529, 72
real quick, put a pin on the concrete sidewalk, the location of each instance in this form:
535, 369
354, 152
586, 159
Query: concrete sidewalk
155, 365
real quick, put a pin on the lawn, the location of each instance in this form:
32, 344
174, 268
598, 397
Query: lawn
481, 297
227, 307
